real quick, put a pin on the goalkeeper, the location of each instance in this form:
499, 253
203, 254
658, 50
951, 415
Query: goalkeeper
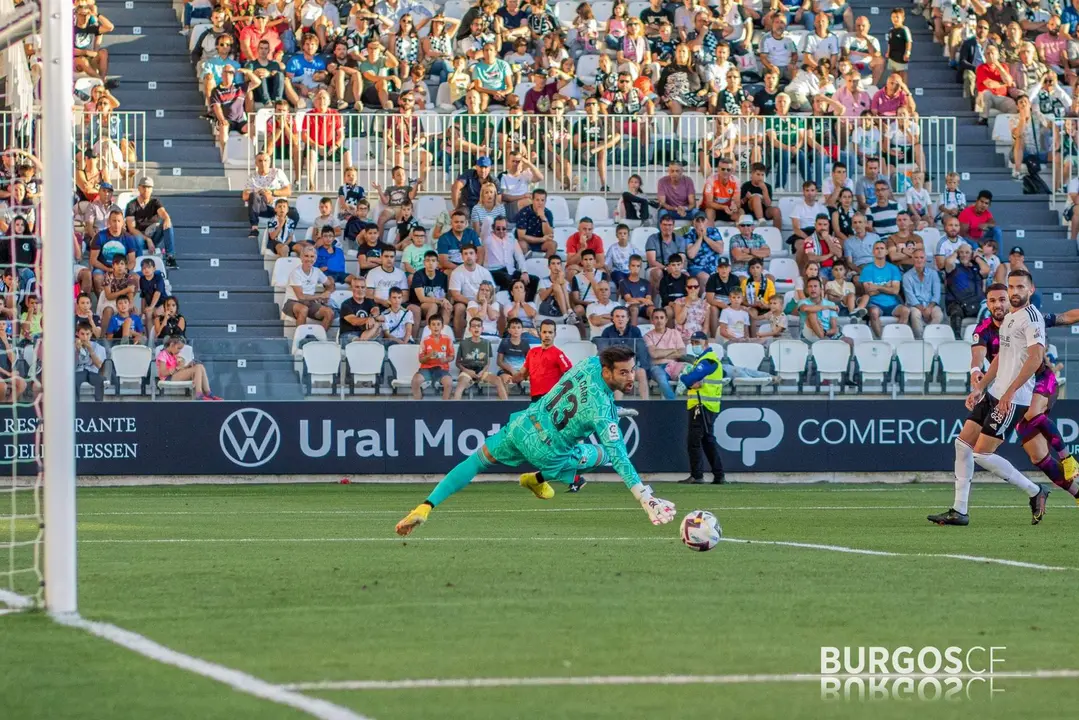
551, 434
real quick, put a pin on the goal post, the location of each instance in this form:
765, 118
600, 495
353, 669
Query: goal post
58, 366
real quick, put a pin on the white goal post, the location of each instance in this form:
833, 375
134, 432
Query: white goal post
58, 368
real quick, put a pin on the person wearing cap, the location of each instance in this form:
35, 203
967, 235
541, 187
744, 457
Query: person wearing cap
702, 381
537, 101
466, 189
91, 216
747, 244
1016, 261
150, 223
704, 247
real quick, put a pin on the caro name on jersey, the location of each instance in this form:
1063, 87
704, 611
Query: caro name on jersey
1021, 330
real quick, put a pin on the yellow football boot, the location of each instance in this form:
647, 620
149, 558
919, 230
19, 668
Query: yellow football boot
414, 519
541, 489
1071, 468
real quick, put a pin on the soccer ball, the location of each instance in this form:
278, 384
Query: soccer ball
701, 530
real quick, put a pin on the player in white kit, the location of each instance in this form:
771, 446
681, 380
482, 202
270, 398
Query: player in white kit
1010, 380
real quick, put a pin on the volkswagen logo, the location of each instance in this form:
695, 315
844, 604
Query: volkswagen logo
250, 437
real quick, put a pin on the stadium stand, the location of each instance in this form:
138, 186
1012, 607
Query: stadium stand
231, 287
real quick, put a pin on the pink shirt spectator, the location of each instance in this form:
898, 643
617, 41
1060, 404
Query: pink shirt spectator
170, 361
1052, 48
670, 340
676, 194
885, 105
854, 104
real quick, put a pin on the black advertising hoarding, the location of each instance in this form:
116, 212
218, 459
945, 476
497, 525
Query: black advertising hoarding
414, 438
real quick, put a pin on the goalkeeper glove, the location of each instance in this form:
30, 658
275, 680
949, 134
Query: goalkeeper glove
627, 412
659, 511
1050, 320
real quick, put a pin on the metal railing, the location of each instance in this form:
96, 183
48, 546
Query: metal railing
117, 137
573, 153
1064, 158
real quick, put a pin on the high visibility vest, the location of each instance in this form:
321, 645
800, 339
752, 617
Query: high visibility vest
711, 390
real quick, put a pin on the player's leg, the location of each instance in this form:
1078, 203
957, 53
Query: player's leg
964, 474
1036, 444
500, 446
1045, 390
997, 426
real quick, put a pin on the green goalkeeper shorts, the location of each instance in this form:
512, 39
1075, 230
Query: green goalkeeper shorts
514, 446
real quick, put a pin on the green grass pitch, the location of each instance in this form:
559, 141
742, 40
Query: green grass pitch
307, 583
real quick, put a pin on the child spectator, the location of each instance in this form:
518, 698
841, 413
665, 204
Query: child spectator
757, 293
356, 224
84, 314
123, 326
397, 321
281, 231
326, 216
618, 256
841, 291
900, 43
976, 221
89, 357
952, 200
734, 320
583, 285
152, 291
635, 291
117, 284
436, 352
511, 354
328, 256
170, 323
394, 196
369, 252
170, 366
919, 201
672, 286
348, 195
773, 325
416, 251
473, 360
756, 195
633, 207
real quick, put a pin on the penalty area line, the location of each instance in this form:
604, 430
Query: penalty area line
623, 680
235, 679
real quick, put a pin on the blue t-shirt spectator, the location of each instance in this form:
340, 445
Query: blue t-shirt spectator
514, 355
450, 246
871, 273
302, 68
531, 223
826, 316
117, 322
110, 246
333, 262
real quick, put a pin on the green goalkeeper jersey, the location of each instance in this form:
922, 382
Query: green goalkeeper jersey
578, 406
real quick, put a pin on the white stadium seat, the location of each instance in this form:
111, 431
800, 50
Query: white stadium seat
427, 209
322, 362
789, 358
307, 207
784, 270
405, 360
936, 334
874, 362
857, 332
566, 334
915, 363
595, 207
561, 237
131, 364
365, 361
578, 350
537, 267
896, 334
638, 238
832, 358
608, 235
587, 68
560, 210
955, 364
747, 356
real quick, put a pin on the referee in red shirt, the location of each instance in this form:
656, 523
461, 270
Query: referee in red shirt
545, 365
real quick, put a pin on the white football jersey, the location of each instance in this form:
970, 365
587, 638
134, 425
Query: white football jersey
1021, 330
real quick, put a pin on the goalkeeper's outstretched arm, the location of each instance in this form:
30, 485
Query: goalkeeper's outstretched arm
614, 446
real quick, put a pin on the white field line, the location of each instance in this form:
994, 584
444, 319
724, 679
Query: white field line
742, 541
621, 680
235, 679
482, 511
